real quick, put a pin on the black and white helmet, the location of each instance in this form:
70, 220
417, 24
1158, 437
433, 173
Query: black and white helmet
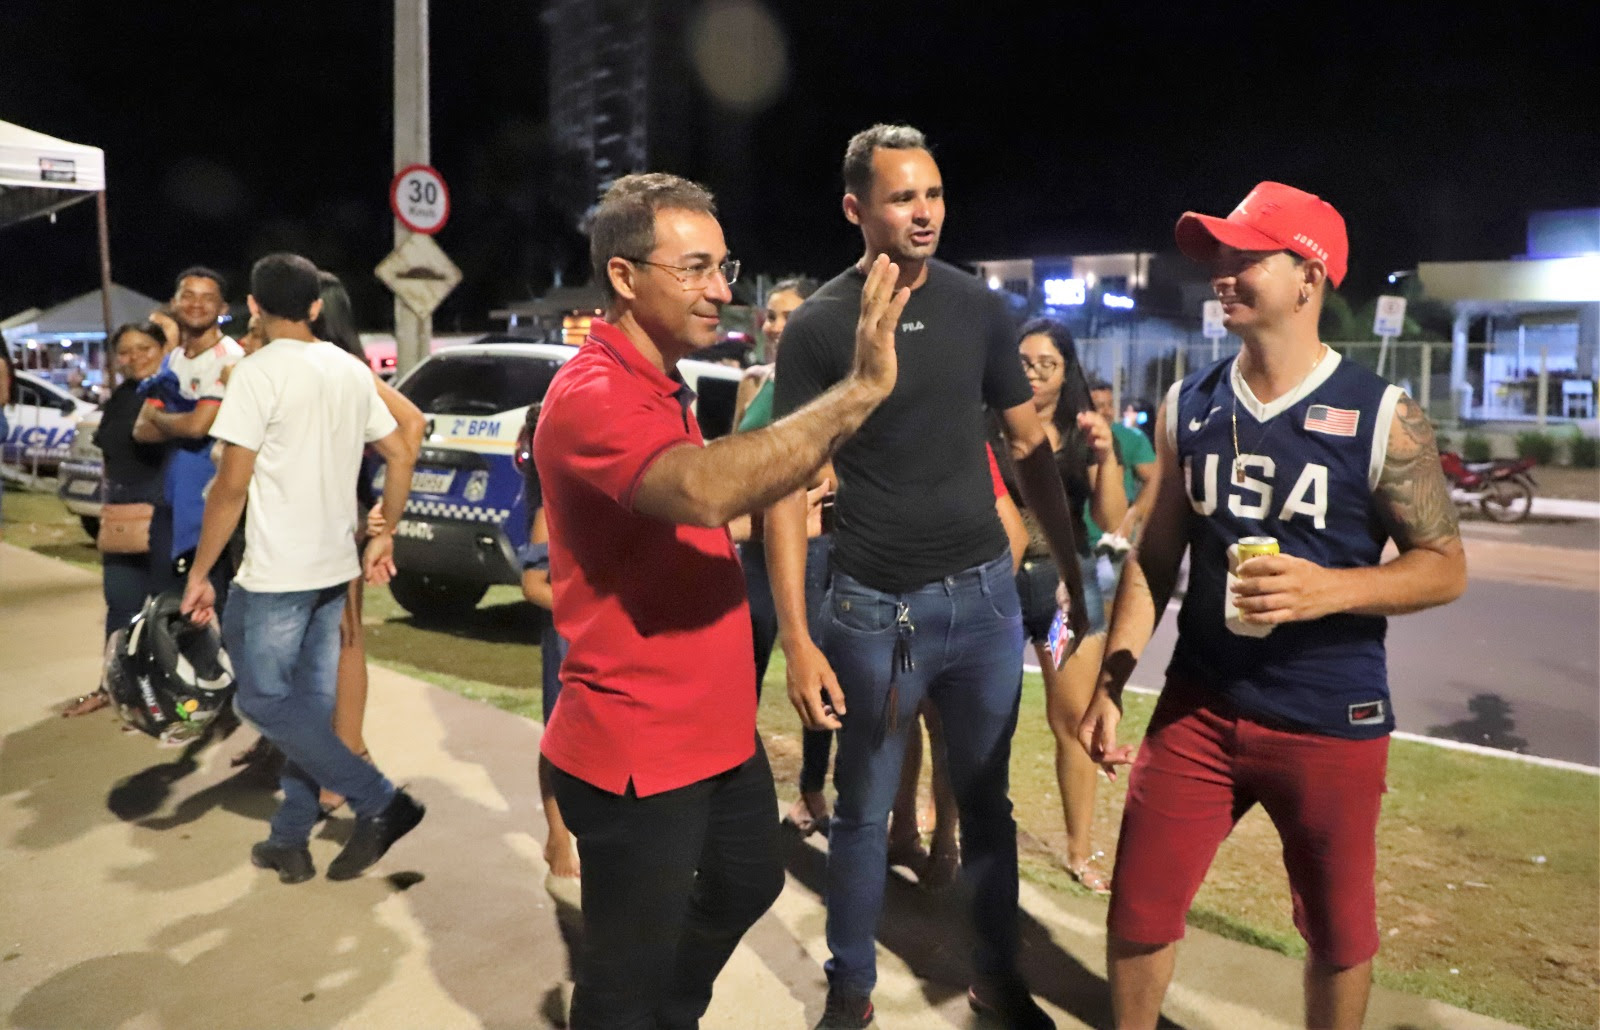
168, 676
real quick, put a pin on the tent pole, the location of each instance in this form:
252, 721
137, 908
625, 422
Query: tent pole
105, 290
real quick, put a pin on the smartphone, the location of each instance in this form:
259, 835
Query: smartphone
829, 519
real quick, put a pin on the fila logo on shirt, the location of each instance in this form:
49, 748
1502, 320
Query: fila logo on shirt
1253, 498
911, 327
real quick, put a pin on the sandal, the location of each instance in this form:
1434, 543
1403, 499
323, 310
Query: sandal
86, 703
1088, 877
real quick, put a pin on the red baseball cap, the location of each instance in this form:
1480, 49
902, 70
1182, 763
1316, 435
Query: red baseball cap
1272, 217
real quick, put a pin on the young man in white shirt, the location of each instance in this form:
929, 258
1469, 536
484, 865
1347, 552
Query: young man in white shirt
294, 421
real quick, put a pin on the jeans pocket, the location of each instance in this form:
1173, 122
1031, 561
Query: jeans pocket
1001, 593
859, 610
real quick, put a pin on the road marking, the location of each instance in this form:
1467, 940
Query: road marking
1489, 529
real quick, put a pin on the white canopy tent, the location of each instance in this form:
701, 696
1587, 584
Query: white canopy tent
40, 175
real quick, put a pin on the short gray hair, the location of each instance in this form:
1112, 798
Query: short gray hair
623, 224
858, 155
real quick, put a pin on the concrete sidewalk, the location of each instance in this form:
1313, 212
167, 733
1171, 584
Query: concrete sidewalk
130, 900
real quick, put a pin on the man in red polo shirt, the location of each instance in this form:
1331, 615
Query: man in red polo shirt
658, 768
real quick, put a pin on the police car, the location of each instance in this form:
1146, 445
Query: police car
80, 479
467, 514
44, 421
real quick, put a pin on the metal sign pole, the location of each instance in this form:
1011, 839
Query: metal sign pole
412, 333
105, 291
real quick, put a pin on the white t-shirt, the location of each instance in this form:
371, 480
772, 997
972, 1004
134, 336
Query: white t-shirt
200, 377
306, 409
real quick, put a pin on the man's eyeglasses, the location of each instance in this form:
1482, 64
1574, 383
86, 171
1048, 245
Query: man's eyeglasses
1044, 367
696, 277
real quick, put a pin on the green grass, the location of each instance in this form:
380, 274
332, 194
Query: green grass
39, 522
1458, 884
1524, 944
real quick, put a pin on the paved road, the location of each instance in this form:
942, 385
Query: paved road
1514, 664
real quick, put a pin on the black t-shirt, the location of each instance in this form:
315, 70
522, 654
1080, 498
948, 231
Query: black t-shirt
133, 470
915, 499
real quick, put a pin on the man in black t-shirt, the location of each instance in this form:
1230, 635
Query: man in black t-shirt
922, 601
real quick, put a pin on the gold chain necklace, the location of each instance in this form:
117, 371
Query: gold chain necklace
1238, 457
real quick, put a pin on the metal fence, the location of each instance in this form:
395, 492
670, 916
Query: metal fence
1140, 371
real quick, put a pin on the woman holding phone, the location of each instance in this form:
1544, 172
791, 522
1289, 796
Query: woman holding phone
1091, 474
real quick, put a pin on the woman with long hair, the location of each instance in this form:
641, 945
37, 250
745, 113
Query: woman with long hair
337, 325
133, 475
1091, 474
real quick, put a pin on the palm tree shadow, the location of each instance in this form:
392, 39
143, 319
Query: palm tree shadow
1489, 726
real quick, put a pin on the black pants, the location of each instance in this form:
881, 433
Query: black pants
670, 884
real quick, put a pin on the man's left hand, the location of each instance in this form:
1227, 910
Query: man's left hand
1276, 588
199, 601
378, 561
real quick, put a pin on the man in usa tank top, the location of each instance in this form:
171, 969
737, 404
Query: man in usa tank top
1277, 692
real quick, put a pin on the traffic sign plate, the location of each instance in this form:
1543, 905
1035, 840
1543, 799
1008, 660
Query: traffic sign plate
1211, 320
419, 198
419, 273
1390, 319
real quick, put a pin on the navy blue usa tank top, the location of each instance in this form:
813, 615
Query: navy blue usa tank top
1310, 462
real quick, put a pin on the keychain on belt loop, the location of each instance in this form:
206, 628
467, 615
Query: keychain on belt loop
904, 630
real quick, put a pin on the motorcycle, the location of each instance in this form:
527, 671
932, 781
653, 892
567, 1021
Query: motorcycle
1503, 489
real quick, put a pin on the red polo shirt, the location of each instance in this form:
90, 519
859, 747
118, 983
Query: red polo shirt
658, 686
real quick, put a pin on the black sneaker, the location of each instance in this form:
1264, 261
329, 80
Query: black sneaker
1007, 1003
293, 864
373, 836
845, 1011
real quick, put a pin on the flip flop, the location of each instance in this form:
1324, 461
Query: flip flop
1089, 877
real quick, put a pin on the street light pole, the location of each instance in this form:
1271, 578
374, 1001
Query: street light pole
412, 333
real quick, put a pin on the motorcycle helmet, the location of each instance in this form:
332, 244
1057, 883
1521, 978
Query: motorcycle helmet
168, 677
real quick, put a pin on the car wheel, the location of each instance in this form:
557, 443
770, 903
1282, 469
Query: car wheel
91, 525
435, 598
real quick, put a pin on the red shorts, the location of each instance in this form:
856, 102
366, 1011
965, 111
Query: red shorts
1201, 768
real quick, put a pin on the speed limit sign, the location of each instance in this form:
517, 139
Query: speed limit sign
419, 199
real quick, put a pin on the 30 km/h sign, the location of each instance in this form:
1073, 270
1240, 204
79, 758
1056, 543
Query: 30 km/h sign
419, 199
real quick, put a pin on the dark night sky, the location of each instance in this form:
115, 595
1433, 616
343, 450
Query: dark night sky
231, 130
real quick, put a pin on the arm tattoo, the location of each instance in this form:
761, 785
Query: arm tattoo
1411, 488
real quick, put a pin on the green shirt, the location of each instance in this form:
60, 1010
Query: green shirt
758, 413
1136, 450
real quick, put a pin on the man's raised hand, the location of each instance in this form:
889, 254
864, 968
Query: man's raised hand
881, 305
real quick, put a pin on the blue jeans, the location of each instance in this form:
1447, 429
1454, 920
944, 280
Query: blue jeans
285, 653
126, 582
965, 647
552, 652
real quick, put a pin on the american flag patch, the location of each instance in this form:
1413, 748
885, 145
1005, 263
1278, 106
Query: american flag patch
1335, 421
